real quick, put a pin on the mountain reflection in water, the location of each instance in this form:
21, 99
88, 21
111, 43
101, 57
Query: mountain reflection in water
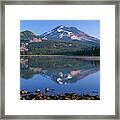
62, 71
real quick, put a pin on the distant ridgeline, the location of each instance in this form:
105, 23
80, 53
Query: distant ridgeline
62, 40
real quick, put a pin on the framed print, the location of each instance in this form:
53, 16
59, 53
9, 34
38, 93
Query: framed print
60, 59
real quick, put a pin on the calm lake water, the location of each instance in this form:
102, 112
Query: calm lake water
60, 75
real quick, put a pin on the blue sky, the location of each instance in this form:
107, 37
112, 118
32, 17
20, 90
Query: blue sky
91, 27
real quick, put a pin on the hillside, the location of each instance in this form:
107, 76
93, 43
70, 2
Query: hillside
61, 40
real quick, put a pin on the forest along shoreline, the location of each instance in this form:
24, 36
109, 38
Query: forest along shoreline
65, 56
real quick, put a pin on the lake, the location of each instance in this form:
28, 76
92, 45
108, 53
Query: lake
60, 75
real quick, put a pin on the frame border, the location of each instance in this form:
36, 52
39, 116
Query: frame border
62, 2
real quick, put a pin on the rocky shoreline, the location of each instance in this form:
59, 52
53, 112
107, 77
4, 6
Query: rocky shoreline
37, 95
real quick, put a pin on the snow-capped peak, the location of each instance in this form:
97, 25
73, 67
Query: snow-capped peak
61, 26
69, 33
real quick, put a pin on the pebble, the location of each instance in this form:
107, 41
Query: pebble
66, 96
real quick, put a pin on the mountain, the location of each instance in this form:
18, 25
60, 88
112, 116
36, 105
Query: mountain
26, 36
70, 34
61, 40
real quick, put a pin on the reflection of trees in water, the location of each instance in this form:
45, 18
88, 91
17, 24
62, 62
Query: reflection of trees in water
96, 63
60, 70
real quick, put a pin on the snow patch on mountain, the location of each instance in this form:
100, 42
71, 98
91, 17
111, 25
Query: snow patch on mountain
70, 33
59, 30
61, 26
61, 35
